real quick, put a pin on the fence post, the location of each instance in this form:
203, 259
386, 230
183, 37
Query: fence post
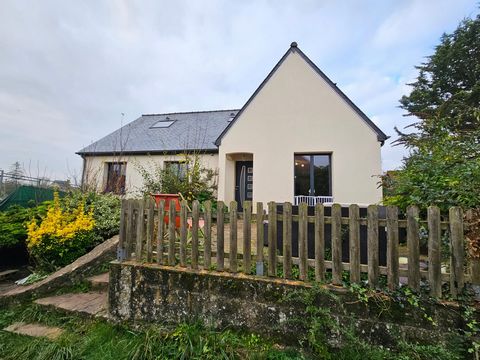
150, 229
207, 251
337, 244
171, 233
160, 231
183, 233
247, 236
140, 230
122, 232
457, 257
220, 236
272, 238
259, 266
287, 240
195, 218
413, 244
233, 237
434, 254
392, 247
319, 242
372, 251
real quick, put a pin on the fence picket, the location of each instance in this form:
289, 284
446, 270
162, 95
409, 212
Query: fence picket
287, 240
434, 254
129, 230
302, 240
319, 242
183, 233
195, 218
140, 230
259, 239
247, 237
413, 244
220, 236
457, 256
171, 233
150, 229
122, 232
392, 247
233, 237
160, 231
207, 246
372, 246
272, 238
354, 242
337, 244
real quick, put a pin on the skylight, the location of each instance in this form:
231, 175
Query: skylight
162, 124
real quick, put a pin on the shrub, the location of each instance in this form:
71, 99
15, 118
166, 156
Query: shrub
62, 235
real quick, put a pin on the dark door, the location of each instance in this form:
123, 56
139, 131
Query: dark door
243, 182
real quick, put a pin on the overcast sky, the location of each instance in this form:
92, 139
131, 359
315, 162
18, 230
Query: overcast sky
69, 69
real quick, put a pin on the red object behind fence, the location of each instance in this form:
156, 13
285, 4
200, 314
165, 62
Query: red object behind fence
168, 198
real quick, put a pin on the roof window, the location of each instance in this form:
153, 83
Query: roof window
162, 124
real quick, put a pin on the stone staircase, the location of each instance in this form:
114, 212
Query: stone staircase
92, 303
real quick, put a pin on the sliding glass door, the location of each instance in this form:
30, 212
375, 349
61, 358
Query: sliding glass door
313, 175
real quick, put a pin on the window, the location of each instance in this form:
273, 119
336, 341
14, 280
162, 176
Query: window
313, 175
162, 124
116, 173
178, 168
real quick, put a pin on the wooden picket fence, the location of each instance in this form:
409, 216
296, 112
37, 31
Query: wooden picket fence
148, 236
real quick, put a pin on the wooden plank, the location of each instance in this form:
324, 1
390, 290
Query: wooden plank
150, 229
233, 237
354, 243
319, 242
183, 232
434, 252
207, 246
195, 218
247, 237
287, 240
171, 233
392, 247
160, 231
272, 238
220, 236
337, 268
475, 271
302, 240
129, 230
413, 245
122, 232
140, 230
457, 257
372, 245
259, 239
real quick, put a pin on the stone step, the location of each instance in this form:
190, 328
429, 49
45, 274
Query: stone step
99, 282
7, 273
35, 330
93, 303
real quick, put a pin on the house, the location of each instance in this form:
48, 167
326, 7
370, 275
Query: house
297, 138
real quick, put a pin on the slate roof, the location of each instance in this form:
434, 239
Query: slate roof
190, 131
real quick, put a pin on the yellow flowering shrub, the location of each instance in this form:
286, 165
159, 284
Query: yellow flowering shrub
61, 236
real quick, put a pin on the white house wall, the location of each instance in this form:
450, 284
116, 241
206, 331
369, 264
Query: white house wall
95, 173
298, 112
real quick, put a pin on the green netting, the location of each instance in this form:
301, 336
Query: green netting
27, 196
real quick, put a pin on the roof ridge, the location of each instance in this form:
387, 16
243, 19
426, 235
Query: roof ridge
191, 112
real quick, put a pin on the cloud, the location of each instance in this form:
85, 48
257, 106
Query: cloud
69, 69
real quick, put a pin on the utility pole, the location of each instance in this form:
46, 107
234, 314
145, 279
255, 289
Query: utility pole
2, 190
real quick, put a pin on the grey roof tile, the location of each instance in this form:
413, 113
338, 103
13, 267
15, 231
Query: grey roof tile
190, 131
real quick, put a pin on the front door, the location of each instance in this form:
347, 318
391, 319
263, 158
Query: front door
243, 182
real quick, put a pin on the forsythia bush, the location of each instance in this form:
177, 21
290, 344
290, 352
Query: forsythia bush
62, 235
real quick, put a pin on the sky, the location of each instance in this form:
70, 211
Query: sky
71, 72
